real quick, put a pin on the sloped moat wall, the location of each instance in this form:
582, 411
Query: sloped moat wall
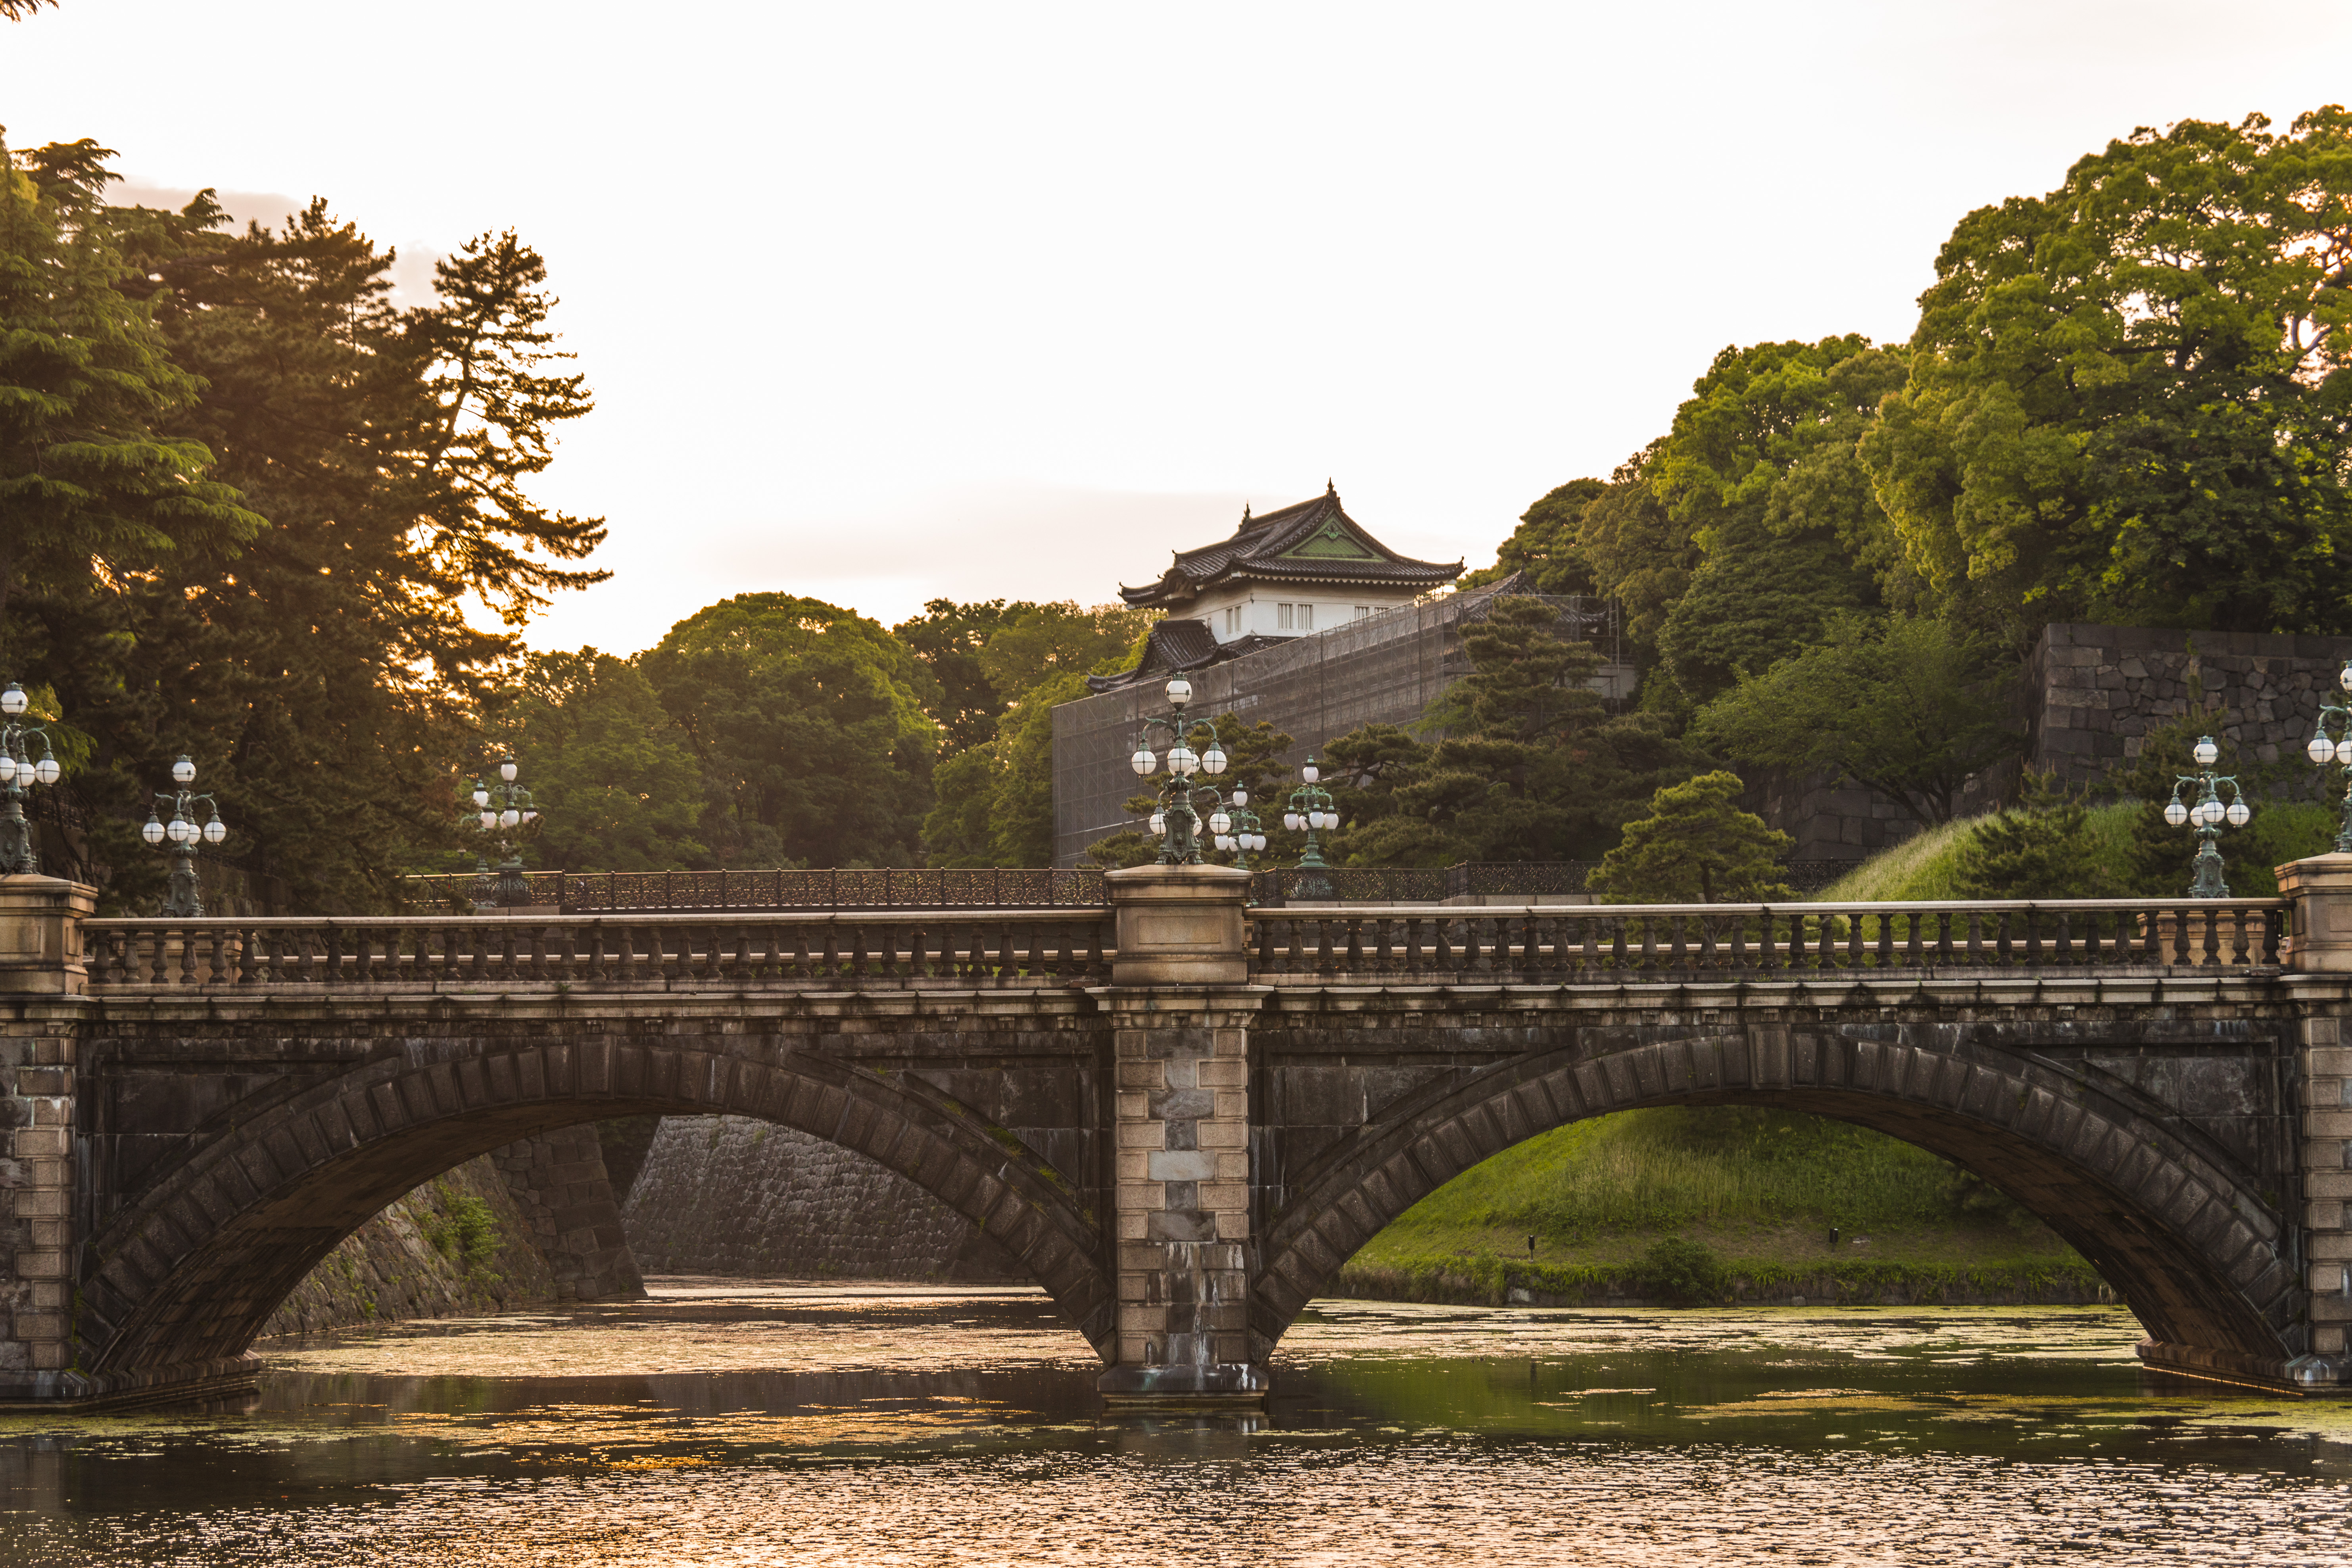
735, 1195
532, 1222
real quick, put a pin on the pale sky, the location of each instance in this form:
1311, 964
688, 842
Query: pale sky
883, 302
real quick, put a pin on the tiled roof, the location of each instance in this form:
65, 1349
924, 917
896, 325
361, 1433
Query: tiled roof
1313, 541
1175, 646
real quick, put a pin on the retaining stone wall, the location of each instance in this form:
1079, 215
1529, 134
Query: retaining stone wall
557, 1183
736, 1196
2099, 690
393, 1266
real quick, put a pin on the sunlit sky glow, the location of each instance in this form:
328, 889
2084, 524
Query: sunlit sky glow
883, 302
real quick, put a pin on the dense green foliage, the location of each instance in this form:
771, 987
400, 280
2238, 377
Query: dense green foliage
2129, 399
1528, 764
247, 498
809, 726
1908, 705
615, 785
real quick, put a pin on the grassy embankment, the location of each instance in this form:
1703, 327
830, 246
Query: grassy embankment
1758, 1193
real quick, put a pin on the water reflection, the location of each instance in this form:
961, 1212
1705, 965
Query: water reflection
727, 1424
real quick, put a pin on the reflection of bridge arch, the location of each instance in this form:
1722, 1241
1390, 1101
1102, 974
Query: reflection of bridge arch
177, 1283
2175, 1222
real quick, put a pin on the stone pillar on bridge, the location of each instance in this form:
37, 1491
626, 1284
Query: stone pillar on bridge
1181, 1008
43, 979
2318, 955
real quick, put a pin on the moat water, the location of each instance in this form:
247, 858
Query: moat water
725, 1422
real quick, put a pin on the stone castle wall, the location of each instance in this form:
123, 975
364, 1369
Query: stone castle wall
2098, 690
735, 1195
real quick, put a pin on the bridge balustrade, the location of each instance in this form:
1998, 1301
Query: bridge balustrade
1587, 943
1027, 947
961, 949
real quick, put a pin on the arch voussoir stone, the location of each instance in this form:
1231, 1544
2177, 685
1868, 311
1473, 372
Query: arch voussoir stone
2185, 1237
185, 1273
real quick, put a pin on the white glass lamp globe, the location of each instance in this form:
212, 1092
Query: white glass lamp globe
1182, 762
2321, 748
1158, 822
46, 770
1220, 824
489, 819
1143, 762
1179, 691
7, 767
1224, 843
1290, 821
1241, 798
184, 771
2344, 750
2239, 813
176, 831
153, 832
529, 816
1212, 760
2342, 677
507, 770
12, 701
2176, 814
2207, 753
1261, 841
510, 818
215, 830
1310, 772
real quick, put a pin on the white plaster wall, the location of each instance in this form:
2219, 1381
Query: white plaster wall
1259, 608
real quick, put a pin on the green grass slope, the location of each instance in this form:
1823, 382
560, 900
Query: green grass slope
1927, 864
1747, 1196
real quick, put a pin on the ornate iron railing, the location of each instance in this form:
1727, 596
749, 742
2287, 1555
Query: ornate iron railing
1570, 944
956, 948
684, 892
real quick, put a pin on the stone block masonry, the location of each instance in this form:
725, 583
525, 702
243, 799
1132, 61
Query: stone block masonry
407, 1262
558, 1182
1181, 1097
2096, 692
737, 1196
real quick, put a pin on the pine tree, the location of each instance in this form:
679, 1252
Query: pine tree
1696, 846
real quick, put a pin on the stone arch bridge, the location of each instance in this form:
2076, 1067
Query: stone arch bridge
1180, 1114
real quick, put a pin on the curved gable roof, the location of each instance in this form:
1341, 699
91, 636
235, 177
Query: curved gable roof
1310, 542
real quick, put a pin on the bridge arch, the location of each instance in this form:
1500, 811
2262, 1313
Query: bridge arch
2175, 1222
175, 1285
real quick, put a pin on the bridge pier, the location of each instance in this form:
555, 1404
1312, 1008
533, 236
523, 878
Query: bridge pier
2319, 957
44, 978
1180, 1011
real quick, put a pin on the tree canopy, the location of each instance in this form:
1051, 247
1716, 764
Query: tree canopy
2129, 399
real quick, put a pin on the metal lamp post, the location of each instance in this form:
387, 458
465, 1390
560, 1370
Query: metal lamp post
2209, 814
1236, 830
20, 769
1175, 821
2324, 749
503, 808
184, 901
1310, 812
